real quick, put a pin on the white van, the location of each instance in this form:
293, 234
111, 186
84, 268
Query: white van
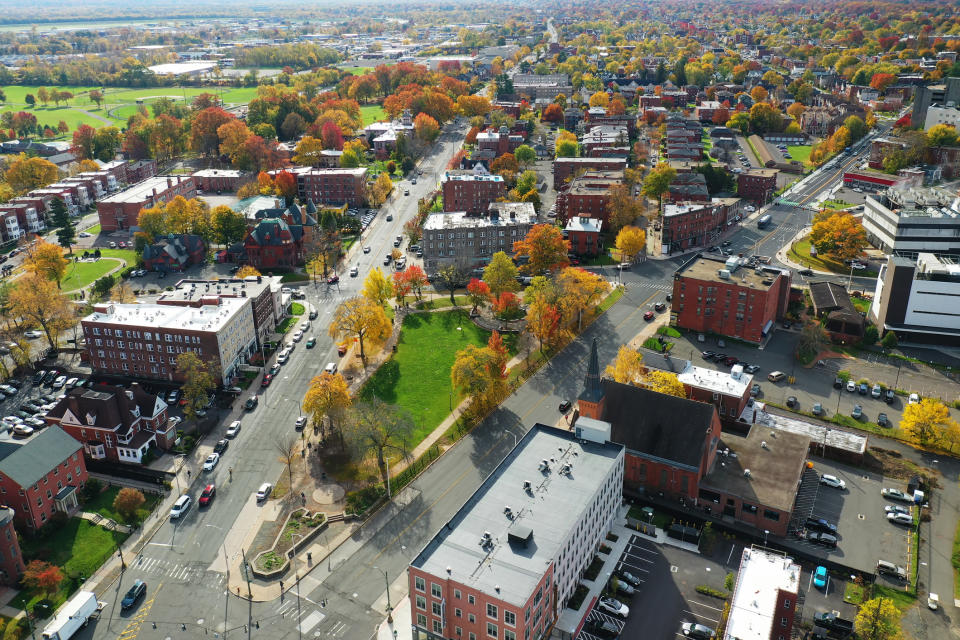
331, 368
180, 507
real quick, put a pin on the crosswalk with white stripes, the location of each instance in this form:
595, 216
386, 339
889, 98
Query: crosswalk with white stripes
180, 572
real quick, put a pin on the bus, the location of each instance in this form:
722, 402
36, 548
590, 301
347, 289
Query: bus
763, 221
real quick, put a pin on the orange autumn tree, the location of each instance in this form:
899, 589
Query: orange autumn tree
478, 292
544, 247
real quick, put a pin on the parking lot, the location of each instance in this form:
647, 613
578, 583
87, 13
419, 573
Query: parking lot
667, 595
864, 533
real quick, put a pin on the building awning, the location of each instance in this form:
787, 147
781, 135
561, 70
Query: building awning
767, 327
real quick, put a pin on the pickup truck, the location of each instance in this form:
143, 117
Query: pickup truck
839, 627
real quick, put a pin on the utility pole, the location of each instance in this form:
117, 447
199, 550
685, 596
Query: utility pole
246, 573
226, 599
299, 625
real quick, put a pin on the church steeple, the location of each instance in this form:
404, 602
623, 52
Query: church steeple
591, 398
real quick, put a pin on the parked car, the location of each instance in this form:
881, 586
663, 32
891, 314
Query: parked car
173, 396
233, 429
697, 631
838, 383
32, 334
613, 607
22, 430
180, 507
626, 576
857, 412
267, 379
300, 423
564, 406
896, 494
776, 376
883, 420
889, 396
792, 401
59, 382
817, 409
821, 524
890, 569
876, 391
707, 355
851, 386
755, 390
133, 596
660, 306
221, 446
820, 577
211, 462
863, 389
896, 508
207, 495
900, 518
823, 539
311, 342
832, 481
264, 491
751, 368
648, 316
251, 403
913, 399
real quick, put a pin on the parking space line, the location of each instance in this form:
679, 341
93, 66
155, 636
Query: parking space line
624, 565
704, 605
699, 616
647, 560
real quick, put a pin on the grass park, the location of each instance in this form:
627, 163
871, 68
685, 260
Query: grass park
801, 153
417, 375
800, 251
102, 503
82, 274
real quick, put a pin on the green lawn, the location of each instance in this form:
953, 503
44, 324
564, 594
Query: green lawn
129, 256
357, 71
80, 274
417, 376
372, 113
800, 251
95, 229
77, 546
801, 153
51, 117
103, 504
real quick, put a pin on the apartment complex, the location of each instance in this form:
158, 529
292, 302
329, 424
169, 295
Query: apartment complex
11, 558
143, 340
916, 299
910, 220
471, 240
588, 196
564, 169
692, 224
332, 186
711, 295
39, 475
262, 292
121, 210
542, 87
757, 185
766, 596
471, 192
508, 561
114, 423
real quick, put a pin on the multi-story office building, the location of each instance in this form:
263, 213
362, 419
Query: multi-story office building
471, 240
471, 192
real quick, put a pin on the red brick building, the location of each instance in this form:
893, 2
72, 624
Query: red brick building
332, 186
583, 234
11, 558
765, 599
728, 299
692, 224
471, 192
499, 142
121, 210
219, 180
39, 476
113, 423
175, 252
273, 243
565, 168
588, 196
757, 185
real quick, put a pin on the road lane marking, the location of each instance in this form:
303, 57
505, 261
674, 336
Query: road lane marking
133, 628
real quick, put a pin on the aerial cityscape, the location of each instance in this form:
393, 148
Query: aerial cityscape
481, 321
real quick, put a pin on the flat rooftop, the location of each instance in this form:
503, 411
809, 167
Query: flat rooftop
143, 191
194, 289
555, 504
708, 269
775, 460
450, 176
813, 431
207, 317
222, 173
461, 220
762, 574
717, 381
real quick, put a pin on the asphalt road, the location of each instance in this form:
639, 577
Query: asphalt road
183, 564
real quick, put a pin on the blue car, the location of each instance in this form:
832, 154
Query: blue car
820, 578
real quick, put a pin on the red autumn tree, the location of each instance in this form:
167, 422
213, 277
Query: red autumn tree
83, 141
401, 286
553, 113
285, 184
478, 292
506, 305
880, 81
472, 135
332, 135
498, 365
417, 279
203, 129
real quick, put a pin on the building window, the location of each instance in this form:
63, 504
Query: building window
421, 603
421, 620
492, 611
783, 622
786, 604
491, 630
419, 584
509, 635
510, 618
457, 613
471, 599
472, 618
456, 593
435, 590
435, 606
771, 515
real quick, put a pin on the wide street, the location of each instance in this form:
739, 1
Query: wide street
183, 564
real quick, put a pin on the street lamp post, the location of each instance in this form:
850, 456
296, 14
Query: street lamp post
299, 626
766, 532
386, 581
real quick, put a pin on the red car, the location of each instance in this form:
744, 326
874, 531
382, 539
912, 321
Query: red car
648, 316
334, 279
267, 379
207, 496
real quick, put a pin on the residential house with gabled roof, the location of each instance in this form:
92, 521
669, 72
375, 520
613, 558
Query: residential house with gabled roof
39, 475
274, 243
113, 423
175, 252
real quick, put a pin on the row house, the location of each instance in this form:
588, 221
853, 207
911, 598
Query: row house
583, 234
565, 169
219, 180
688, 186
114, 423
688, 225
39, 476
604, 136
598, 116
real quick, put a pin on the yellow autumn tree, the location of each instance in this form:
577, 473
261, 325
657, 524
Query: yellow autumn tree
326, 397
362, 319
839, 236
631, 241
926, 422
377, 288
664, 382
46, 259
247, 271
628, 367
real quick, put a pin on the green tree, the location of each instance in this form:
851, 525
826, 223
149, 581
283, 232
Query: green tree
378, 429
525, 155
658, 182
889, 340
127, 502
228, 226
66, 233
501, 274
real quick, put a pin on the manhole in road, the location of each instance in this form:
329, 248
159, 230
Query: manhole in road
674, 568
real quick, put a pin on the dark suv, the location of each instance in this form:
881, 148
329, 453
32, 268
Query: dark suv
838, 383
819, 524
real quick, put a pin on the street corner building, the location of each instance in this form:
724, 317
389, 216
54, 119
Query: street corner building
507, 563
143, 340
